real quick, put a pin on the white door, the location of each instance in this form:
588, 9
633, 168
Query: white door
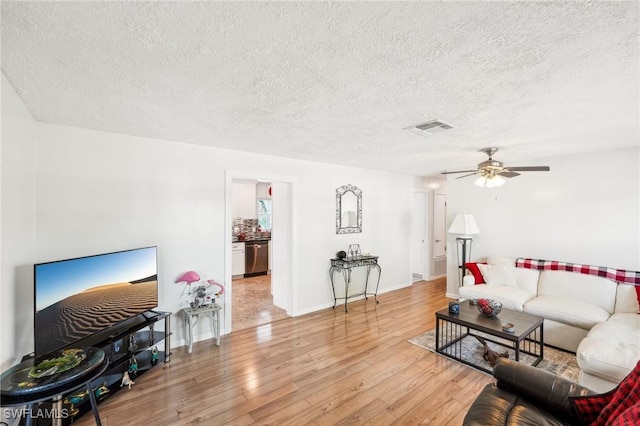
419, 237
439, 225
282, 248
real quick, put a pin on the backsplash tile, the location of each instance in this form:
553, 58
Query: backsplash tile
249, 229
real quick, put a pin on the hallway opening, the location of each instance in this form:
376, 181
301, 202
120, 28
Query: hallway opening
253, 303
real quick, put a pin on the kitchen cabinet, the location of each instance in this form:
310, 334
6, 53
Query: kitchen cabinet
244, 200
237, 259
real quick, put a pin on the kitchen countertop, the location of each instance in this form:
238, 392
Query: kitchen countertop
248, 240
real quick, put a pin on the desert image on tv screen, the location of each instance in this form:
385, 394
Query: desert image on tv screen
78, 297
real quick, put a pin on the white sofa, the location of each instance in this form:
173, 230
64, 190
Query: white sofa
592, 316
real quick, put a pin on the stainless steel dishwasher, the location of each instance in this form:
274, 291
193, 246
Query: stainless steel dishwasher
256, 257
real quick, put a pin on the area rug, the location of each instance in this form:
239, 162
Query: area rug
555, 360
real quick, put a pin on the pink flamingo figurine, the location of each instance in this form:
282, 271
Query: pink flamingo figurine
188, 278
214, 282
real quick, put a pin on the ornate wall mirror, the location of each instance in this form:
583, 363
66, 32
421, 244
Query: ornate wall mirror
348, 209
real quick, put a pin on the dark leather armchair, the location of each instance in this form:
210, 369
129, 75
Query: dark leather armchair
524, 395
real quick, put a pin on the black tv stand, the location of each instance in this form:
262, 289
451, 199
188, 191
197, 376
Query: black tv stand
136, 338
150, 314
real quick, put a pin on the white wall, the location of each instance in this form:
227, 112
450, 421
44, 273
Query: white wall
17, 229
99, 192
585, 210
95, 192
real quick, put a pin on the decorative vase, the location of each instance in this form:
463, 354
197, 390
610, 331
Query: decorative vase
489, 308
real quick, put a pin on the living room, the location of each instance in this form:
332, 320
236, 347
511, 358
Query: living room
70, 191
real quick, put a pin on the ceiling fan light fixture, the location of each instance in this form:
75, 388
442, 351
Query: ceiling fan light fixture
493, 172
489, 181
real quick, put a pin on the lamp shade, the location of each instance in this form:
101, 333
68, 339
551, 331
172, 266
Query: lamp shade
464, 224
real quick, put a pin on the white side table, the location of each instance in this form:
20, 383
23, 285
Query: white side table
192, 315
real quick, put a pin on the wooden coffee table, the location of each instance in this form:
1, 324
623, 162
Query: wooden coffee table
527, 337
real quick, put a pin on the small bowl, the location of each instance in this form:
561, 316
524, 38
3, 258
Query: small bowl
508, 327
488, 307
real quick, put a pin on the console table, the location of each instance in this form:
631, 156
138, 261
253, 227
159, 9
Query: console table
192, 315
345, 266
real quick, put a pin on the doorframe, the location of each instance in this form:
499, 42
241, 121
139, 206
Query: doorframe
288, 234
426, 236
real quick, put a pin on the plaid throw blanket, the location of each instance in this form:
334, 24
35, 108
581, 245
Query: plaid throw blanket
619, 275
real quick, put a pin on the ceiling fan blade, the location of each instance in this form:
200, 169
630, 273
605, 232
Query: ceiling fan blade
459, 171
530, 169
508, 174
470, 174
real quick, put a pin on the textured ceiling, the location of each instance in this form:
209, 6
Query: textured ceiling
336, 82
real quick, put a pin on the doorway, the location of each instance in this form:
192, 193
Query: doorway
261, 298
253, 303
419, 235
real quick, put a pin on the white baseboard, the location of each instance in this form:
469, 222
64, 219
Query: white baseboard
435, 277
452, 295
341, 302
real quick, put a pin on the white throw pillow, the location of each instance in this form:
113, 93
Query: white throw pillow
497, 275
527, 279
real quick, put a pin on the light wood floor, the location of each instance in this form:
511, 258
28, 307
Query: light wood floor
323, 368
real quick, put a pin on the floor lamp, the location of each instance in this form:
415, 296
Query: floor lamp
464, 225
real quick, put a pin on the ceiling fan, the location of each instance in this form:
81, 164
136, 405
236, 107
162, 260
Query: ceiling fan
491, 172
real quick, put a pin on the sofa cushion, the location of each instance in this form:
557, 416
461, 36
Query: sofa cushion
475, 271
627, 299
595, 383
495, 406
590, 289
611, 348
510, 297
527, 279
569, 311
497, 275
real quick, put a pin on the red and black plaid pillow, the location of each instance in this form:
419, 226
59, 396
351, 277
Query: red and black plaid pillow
606, 408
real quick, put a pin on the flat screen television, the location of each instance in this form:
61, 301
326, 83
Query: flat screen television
82, 297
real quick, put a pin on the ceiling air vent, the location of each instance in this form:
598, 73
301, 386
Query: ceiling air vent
430, 127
